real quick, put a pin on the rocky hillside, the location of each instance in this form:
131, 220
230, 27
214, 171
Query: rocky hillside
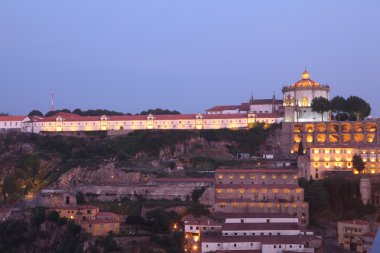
29, 162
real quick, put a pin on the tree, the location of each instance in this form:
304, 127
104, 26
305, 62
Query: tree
51, 113
300, 149
358, 163
338, 106
159, 111
80, 198
357, 107
36, 113
320, 105
4, 114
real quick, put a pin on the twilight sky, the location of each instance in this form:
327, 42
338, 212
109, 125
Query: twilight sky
185, 55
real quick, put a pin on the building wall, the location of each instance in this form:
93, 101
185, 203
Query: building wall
346, 133
297, 209
347, 230
262, 220
276, 248
199, 122
9, 125
102, 228
339, 158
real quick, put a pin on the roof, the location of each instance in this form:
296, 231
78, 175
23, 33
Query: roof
265, 101
12, 118
269, 115
101, 221
223, 108
205, 222
259, 226
209, 180
274, 239
258, 170
106, 214
76, 207
257, 186
258, 215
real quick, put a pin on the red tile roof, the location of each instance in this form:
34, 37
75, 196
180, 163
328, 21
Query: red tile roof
257, 215
257, 186
274, 239
223, 108
76, 207
208, 180
259, 226
12, 118
269, 115
258, 170
105, 214
265, 101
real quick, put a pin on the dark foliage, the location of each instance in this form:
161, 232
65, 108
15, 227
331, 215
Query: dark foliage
159, 111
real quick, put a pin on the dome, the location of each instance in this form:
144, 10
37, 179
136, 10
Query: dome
305, 81
305, 75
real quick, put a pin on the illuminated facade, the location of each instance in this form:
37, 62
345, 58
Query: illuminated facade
90, 219
297, 100
345, 133
261, 191
68, 122
9, 123
339, 158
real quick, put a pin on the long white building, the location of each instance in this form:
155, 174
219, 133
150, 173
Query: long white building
69, 122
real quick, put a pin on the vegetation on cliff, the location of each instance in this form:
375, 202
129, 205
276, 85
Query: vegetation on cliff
334, 198
30, 162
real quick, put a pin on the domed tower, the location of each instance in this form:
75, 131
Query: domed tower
298, 97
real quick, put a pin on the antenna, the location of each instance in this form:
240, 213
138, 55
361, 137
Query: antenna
52, 101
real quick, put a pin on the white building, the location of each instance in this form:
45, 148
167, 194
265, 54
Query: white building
11, 123
253, 232
298, 97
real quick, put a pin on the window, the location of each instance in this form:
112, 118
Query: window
234, 244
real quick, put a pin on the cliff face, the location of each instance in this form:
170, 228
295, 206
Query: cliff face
105, 174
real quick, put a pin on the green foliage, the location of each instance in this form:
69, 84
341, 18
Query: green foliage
80, 198
38, 218
4, 114
171, 244
97, 112
159, 111
13, 235
35, 113
108, 243
338, 106
320, 105
10, 189
197, 193
51, 113
358, 163
300, 149
337, 195
159, 220
197, 210
317, 196
358, 107
135, 219
53, 216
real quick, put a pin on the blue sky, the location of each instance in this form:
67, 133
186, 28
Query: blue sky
185, 55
